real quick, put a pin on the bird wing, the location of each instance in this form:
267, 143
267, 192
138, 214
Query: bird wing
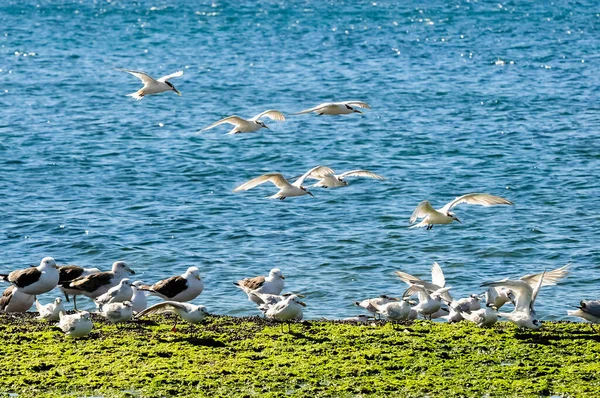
536, 290
170, 287
421, 291
522, 290
361, 173
235, 120
422, 210
315, 108
360, 104
320, 169
171, 76
437, 275
271, 114
24, 277
145, 78
160, 308
482, 199
407, 278
550, 277
276, 178
320, 172
251, 283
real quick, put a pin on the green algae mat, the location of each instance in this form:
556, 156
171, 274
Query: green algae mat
251, 357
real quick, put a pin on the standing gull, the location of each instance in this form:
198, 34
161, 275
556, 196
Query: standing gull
185, 287
286, 310
97, 284
336, 108
76, 325
122, 292
13, 300
253, 287
68, 273
432, 216
152, 86
118, 312
247, 126
50, 311
330, 180
190, 313
139, 301
285, 188
371, 304
35, 280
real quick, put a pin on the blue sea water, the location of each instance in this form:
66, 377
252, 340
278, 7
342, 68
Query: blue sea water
467, 96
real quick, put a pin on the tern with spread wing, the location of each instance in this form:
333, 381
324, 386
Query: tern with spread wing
331, 180
438, 280
498, 296
151, 85
523, 315
432, 216
285, 188
247, 126
336, 108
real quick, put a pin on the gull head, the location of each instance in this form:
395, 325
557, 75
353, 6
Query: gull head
275, 273
120, 266
173, 87
262, 124
85, 315
307, 191
385, 296
48, 262
453, 216
536, 323
126, 282
57, 301
194, 272
296, 300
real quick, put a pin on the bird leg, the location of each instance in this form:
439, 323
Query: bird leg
67, 297
592, 326
174, 328
282, 198
429, 226
75, 302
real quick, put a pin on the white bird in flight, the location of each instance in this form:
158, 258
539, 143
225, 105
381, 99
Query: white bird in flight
438, 280
285, 188
523, 315
151, 85
498, 296
432, 216
331, 180
247, 126
428, 303
336, 108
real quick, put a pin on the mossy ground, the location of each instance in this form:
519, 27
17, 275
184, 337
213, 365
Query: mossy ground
239, 357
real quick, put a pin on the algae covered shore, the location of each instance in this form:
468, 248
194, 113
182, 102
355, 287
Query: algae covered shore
247, 357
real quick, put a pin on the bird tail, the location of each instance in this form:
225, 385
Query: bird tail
138, 95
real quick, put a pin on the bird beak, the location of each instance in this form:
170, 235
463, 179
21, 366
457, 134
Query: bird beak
132, 272
198, 277
302, 303
458, 220
310, 193
178, 93
282, 277
267, 127
357, 111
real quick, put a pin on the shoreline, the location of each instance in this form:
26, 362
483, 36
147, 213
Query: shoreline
250, 356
